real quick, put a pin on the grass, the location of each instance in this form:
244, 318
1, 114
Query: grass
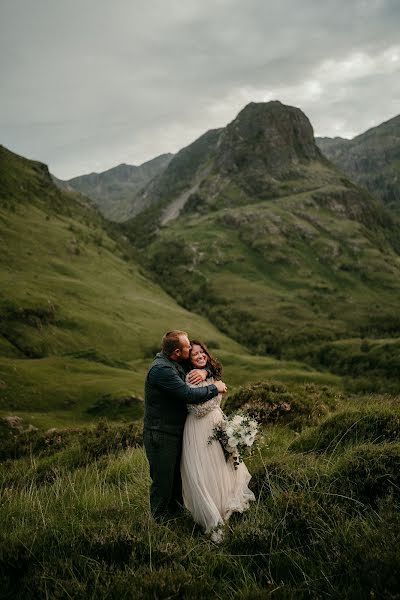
59, 390
77, 524
351, 427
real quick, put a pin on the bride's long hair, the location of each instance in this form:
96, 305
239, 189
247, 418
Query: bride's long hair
212, 362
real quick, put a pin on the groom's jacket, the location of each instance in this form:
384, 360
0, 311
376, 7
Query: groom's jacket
166, 394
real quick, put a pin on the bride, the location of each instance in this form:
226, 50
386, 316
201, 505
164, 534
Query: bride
212, 488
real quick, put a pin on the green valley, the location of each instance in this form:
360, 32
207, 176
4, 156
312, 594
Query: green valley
80, 320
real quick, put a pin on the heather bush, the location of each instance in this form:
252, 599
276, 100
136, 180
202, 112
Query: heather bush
350, 427
271, 402
368, 473
19, 441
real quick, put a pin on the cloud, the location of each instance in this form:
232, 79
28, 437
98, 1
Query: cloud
87, 85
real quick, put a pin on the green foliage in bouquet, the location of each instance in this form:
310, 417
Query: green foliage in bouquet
236, 435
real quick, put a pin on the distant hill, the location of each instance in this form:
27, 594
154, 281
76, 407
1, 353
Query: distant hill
252, 226
371, 159
114, 191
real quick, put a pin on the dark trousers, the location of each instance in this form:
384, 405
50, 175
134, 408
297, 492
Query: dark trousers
163, 452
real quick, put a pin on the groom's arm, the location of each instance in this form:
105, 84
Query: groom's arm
196, 376
167, 379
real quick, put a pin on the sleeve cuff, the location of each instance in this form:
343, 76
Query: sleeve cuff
213, 391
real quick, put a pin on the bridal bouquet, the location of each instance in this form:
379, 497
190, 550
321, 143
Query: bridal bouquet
236, 435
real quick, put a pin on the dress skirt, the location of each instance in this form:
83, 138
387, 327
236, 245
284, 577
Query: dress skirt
212, 488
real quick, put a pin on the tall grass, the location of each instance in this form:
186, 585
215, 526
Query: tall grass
324, 524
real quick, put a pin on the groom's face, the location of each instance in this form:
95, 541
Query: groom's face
185, 347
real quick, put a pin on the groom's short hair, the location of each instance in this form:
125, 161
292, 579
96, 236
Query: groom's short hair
172, 341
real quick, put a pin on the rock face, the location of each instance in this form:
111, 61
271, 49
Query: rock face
372, 159
268, 136
268, 151
267, 145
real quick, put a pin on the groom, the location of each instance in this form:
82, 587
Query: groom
166, 395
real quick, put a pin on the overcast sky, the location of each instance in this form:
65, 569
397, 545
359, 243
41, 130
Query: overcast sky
88, 84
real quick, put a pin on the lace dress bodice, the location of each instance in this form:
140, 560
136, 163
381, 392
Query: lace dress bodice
200, 410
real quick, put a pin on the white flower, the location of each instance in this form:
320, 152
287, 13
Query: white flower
233, 442
237, 420
229, 431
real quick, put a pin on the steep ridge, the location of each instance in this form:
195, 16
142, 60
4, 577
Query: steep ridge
276, 245
114, 191
371, 159
186, 171
79, 319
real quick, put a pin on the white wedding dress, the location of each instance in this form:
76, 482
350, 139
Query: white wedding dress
212, 488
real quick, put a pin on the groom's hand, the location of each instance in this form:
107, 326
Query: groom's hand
197, 376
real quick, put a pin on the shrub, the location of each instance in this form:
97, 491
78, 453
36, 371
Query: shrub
368, 473
17, 439
107, 406
270, 402
348, 428
16, 442
106, 438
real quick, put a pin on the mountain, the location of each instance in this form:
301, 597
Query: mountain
266, 237
80, 320
114, 191
228, 166
371, 159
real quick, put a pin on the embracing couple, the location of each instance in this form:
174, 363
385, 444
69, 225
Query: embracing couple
183, 392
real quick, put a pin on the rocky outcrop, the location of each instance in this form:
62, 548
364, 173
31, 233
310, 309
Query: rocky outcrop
270, 136
267, 145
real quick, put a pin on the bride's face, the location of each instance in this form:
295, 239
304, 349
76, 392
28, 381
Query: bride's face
198, 357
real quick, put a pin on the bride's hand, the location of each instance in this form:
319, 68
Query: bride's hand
196, 376
221, 387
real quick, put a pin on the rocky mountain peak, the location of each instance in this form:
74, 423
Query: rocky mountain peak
267, 135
